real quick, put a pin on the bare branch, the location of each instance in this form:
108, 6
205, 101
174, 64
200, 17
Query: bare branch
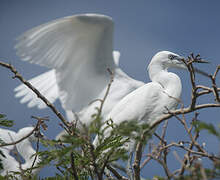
35, 157
191, 151
137, 159
214, 86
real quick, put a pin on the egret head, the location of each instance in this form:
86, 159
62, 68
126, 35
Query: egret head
165, 59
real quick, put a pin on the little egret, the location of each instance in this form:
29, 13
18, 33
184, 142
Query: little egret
150, 102
24, 148
79, 50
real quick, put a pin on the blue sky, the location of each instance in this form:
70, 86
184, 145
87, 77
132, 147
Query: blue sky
142, 28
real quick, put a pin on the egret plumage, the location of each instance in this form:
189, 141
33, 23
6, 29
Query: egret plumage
79, 49
23, 148
149, 102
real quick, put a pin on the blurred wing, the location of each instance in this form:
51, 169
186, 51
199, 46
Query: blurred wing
79, 48
45, 83
7, 136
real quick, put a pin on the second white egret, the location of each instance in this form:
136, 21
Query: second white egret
22, 149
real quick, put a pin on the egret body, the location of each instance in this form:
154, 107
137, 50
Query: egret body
24, 148
150, 101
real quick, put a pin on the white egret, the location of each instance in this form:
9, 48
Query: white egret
149, 102
79, 49
24, 148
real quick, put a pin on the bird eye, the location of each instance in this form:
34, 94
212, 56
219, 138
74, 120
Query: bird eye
171, 56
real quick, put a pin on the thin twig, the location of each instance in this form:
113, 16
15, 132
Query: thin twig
35, 157
145, 162
214, 86
193, 142
116, 174
190, 68
107, 92
164, 165
191, 151
21, 139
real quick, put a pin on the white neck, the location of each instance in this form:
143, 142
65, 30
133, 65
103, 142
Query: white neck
168, 80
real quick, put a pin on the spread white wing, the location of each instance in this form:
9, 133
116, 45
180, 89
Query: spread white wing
45, 83
79, 48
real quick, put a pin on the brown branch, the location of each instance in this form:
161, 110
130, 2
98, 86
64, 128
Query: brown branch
164, 165
193, 142
191, 151
35, 157
16, 154
191, 70
181, 111
74, 171
214, 86
216, 71
23, 138
164, 132
137, 158
116, 174
91, 151
145, 162
106, 93
106, 162
39, 95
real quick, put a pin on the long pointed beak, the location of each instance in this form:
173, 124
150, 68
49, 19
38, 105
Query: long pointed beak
202, 61
180, 58
201, 72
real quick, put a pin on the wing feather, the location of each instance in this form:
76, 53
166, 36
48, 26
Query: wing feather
79, 48
45, 83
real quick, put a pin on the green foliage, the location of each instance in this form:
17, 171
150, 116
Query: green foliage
196, 174
1, 155
77, 150
75, 154
4, 122
199, 125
